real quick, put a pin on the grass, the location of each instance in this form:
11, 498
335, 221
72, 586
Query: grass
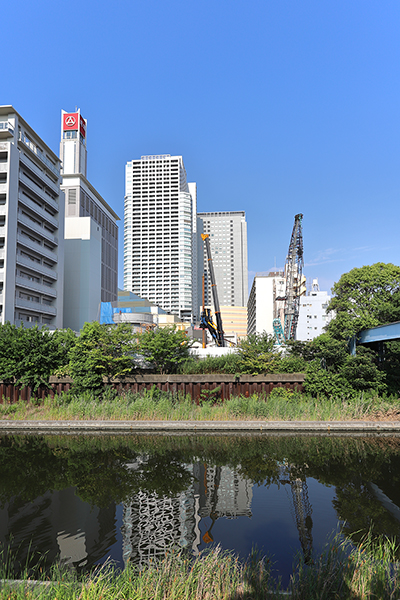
340, 572
280, 405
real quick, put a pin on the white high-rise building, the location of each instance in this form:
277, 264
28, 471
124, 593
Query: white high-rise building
312, 314
158, 233
91, 232
31, 226
228, 243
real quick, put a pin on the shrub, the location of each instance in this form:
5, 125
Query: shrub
165, 348
257, 354
101, 351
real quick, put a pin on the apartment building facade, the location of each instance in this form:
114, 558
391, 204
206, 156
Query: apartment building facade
158, 233
31, 226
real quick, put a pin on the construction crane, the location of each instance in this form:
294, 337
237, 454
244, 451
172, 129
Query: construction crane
302, 508
206, 321
293, 273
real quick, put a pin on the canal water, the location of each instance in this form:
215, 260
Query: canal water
83, 499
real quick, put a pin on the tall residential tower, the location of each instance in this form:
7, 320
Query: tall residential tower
159, 244
31, 226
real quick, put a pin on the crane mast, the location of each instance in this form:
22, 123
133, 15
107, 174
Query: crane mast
206, 321
293, 273
294, 270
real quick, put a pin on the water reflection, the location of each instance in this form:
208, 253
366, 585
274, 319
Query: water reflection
84, 499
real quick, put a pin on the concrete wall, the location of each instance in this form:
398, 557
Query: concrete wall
82, 268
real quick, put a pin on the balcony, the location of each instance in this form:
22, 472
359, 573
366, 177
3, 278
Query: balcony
4, 167
27, 284
31, 264
35, 150
37, 228
6, 129
3, 188
38, 191
37, 210
40, 174
35, 306
36, 247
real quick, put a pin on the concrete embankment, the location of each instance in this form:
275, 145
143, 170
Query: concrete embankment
326, 427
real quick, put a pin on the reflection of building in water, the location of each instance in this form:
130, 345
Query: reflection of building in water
222, 492
153, 524
58, 525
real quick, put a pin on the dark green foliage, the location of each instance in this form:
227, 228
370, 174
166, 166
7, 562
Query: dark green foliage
291, 364
164, 349
257, 354
101, 351
29, 356
331, 371
322, 383
362, 372
227, 363
364, 298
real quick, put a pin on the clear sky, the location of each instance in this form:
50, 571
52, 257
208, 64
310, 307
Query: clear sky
277, 107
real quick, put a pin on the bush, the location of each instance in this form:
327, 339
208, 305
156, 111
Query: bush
227, 363
101, 351
257, 354
164, 349
322, 383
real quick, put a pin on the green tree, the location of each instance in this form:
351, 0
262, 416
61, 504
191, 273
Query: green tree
257, 354
365, 297
101, 351
28, 356
164, 348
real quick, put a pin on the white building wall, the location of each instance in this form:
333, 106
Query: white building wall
312, 315
228, 243
82, 278
31, 226
262, 306
158, 230
196, 289
82, 200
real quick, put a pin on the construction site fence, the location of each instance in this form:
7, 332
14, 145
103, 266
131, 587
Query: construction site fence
215, 386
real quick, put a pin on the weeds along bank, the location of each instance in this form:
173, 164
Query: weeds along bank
342, 572
154, 404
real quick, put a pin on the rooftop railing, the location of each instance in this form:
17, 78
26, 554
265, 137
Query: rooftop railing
38, 153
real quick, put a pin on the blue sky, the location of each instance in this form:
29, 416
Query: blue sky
277, 107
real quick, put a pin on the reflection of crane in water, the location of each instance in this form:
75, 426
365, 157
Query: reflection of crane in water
302, 510
207, 537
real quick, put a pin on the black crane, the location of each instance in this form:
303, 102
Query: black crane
206, 321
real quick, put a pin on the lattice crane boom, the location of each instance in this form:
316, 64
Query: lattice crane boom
293, 272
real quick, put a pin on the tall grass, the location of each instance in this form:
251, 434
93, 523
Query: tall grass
340, 572
370, 570
154, 404
213, 575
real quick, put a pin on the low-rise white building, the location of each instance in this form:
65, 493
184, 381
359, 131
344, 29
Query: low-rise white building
312, 315
31, 226
263, 305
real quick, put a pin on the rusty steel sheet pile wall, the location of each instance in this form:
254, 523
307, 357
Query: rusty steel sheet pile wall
219, 386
